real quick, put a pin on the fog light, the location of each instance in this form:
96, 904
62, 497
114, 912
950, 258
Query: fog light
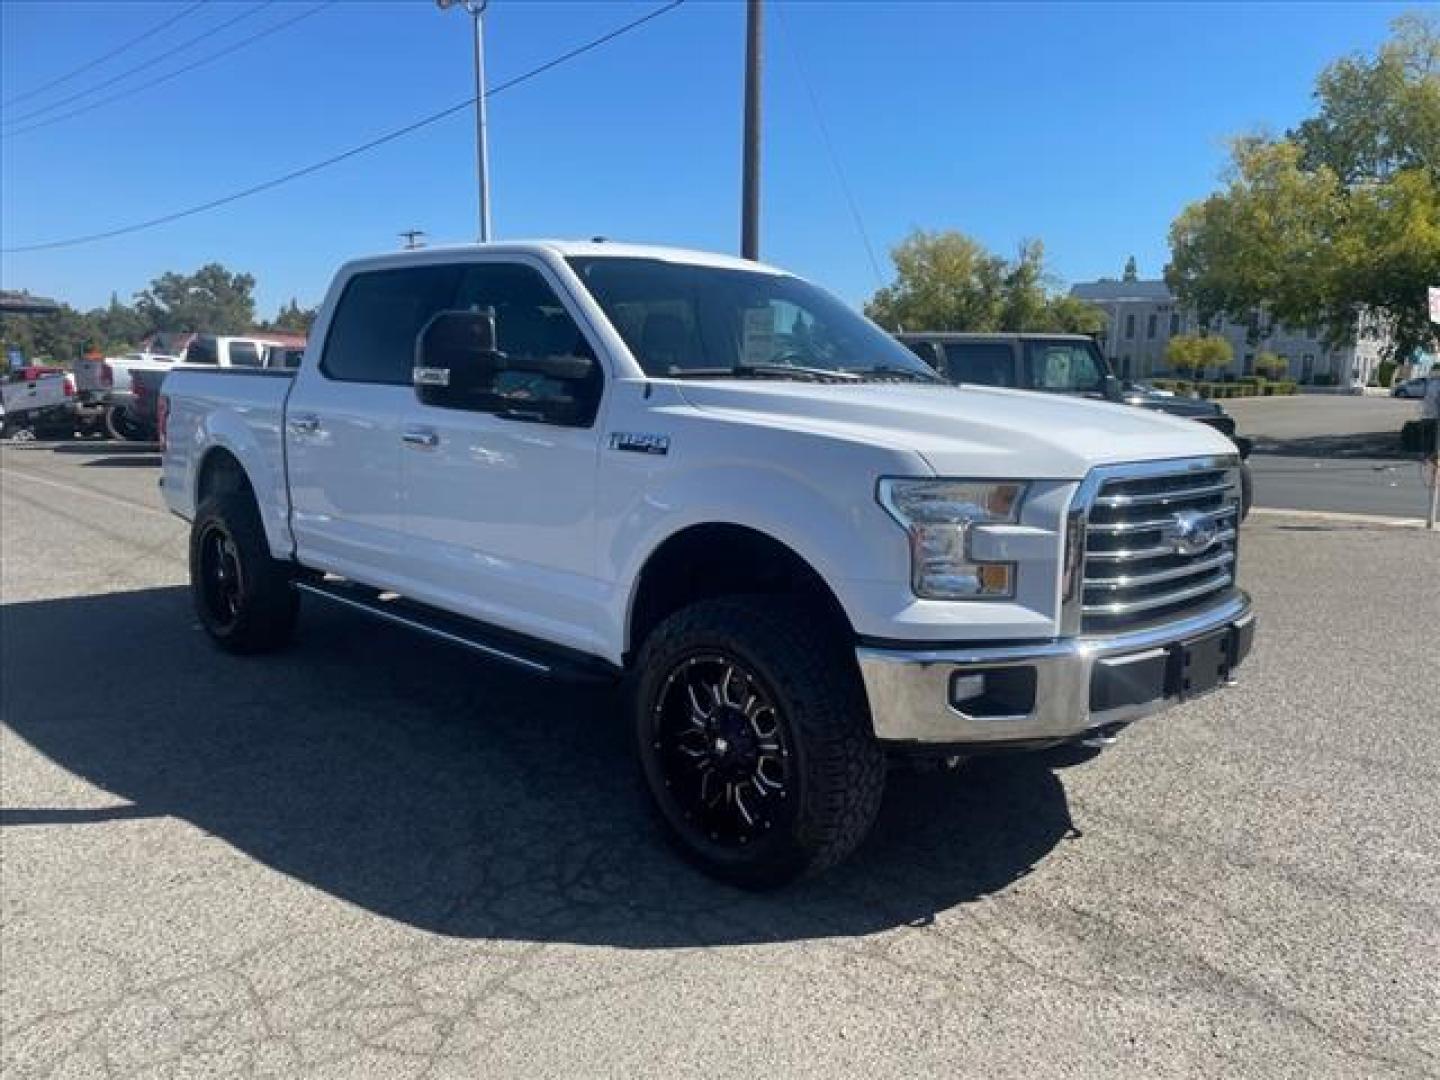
966, 688
994, 693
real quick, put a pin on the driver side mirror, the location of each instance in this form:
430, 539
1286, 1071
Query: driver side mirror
457, 366
1112, 389
455, 356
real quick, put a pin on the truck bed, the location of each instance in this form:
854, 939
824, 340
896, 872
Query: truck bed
241, 410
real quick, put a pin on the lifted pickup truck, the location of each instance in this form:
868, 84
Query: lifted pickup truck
797, 546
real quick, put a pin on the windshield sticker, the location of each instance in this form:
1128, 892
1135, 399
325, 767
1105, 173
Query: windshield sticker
759, 341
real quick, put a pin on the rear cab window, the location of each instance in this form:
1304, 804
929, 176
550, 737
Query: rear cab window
244, 354
203, 350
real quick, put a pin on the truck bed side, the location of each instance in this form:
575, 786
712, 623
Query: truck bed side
239, 413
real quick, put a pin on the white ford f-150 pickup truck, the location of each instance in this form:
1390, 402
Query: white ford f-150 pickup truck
798, 548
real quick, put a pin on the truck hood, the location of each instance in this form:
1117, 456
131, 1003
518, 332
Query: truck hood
965, 430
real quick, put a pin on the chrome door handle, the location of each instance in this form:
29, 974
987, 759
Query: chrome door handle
305, 424
423, 437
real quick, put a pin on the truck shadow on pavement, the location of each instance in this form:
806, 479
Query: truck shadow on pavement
423, 785
1369, 444
91, 447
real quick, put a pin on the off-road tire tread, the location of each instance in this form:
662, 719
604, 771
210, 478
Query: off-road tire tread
813, 672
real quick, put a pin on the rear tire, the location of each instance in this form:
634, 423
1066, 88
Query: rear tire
754, 740
119, 424
242, 596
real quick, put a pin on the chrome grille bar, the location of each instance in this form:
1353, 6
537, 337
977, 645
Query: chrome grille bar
1159, 538
1131, 554
1149, 603
1163, 497
1130, 581
1153, 523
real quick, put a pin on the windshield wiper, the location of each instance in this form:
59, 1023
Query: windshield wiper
765, 371
885, 373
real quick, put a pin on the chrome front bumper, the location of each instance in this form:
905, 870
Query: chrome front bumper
1078, 684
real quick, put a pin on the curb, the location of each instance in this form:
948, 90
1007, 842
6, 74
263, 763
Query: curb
1336, 515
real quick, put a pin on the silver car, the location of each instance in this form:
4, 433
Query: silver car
1410, 388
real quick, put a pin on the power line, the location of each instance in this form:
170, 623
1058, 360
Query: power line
276, 28
146, 36
830, 147
354, 151
88, 90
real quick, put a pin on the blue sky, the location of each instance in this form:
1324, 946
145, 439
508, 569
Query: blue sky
1088, 126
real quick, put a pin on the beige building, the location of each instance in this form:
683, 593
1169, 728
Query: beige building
1142, 316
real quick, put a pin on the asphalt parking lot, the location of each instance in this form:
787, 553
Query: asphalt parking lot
377, 856
1333, 452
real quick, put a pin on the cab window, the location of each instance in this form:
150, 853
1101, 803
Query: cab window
531, 322
244, 354
1062, 367
372, 334
986, 363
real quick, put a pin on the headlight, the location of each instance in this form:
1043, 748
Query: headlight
938, 515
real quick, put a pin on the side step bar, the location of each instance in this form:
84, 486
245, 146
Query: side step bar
536, 657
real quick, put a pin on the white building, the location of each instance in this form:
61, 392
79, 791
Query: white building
1142, 316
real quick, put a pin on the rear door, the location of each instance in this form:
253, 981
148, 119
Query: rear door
344, 422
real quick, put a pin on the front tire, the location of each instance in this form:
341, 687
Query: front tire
754, 740
242, 596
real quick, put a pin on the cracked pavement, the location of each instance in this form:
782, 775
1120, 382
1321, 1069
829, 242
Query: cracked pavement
375, 855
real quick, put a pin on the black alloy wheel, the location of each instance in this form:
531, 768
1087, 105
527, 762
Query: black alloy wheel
221, 583
723, 749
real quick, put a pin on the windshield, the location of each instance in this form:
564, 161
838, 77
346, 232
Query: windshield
1065, 367
684, 320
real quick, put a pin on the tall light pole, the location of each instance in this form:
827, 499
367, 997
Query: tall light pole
476, 9
750, 182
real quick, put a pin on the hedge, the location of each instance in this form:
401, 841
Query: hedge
1249, 386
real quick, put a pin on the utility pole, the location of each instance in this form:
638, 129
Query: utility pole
476, 10
412, 238
750, 182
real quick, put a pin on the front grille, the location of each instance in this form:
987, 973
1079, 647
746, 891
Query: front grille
1158, 543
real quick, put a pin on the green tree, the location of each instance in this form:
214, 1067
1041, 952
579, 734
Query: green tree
59, 337
211, 300
949, 281
1379, 115
1214, 352
1132, 273
117, 326
1182, 354
292, 317
1271, 366
1342, 215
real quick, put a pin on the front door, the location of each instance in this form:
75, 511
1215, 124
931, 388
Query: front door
500, 504
345, 421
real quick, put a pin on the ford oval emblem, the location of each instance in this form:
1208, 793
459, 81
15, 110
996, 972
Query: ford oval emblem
1191, 532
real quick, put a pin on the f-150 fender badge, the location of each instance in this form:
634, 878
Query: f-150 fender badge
430, 376
639, 442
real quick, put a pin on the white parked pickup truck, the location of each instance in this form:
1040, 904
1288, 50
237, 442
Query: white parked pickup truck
799, 549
